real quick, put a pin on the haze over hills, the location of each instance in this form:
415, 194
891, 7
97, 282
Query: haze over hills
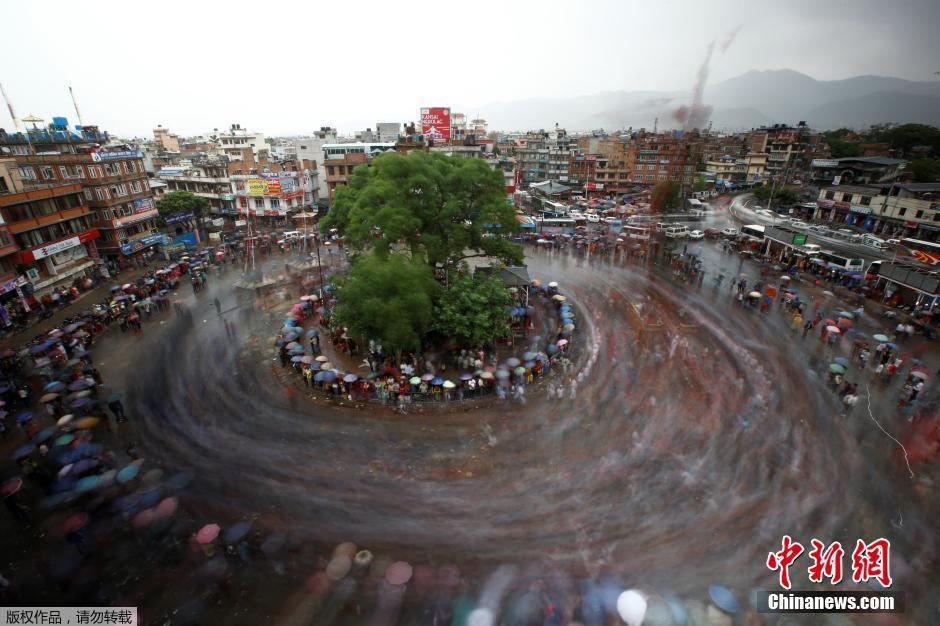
752, 99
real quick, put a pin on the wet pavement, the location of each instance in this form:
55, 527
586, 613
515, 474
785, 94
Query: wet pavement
698, 434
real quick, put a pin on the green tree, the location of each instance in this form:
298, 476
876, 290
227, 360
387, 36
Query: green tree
665, 195
442, 209
906, 137
925, 170
388, 298
781, 195
700, 184
473, 310
182, 201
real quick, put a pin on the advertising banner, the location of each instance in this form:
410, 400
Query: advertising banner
140, 244
55, 247
142, 204
117, 155
176, 218
257, 187
435, 123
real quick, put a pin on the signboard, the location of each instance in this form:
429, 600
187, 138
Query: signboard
864, 210
117, 155
799, 240
594, 186
287, 185
836, 180
825, 163
825, 204
142, 204
176, 218
54, 247
435, 123
842, 205
230, 197
240, 223
140, 244
257, 187
13, 283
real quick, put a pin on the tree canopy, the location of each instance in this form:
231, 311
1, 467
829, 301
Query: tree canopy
440, 208
781, 195
472, 310
665, 195
388, 298
178, 201
925, 170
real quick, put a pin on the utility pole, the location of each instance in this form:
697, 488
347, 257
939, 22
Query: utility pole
75, 104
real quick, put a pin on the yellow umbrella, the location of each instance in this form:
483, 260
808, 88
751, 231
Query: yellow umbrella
87, 422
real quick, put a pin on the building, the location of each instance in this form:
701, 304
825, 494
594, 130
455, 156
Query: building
458, 127
237, 138
736, 170
648, 158
56, 138
856, 170
209, 180
543, 155
271, 193
897, 210
789, 149
340, 159
311, 149
166, 141
389, 132
47, 238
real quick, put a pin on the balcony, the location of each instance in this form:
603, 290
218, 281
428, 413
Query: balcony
31, 223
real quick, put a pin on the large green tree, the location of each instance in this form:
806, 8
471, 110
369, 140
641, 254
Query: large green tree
181, 202
472, 310
442, 209
388, 298
781, 195
925, 170
906, 137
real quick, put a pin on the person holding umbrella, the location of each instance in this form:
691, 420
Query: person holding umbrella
117, 407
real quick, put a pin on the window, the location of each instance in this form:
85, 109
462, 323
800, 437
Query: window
243, 202
830, 195
918, 215
902, 211
259, 203
936, 217
64, 172
865, 200
87, 193
27, 172
135, 186
651, 167
128, 167
101, 193
275, 203
112, 169
47, 173
3, 185
847, 197
329, 170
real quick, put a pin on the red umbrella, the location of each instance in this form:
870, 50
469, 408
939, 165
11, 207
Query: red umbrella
74, 523
166, 507
10, 487
144, 518
208, 533
398, 573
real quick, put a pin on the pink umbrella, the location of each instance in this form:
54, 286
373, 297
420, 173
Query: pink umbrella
398, 573
305, 298
75, 522
166, 507
144, 518
562, 342
833, 329
208, 533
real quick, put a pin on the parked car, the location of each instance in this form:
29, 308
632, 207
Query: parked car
594, 218
712, 233
729, 232
798, 224
696, 234
893, 242
817, 228
676, 232
575, 215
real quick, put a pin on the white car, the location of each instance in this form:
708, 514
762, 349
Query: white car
610, 219
575, 215
797, 224
696, 234
729, 232
594, 218
893, 242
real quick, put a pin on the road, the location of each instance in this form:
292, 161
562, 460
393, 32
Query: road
683, 458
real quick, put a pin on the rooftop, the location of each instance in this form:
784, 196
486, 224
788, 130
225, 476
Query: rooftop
863, 189
873, 160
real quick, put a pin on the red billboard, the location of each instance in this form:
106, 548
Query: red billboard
435, 123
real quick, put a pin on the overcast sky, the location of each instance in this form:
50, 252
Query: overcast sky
288, 67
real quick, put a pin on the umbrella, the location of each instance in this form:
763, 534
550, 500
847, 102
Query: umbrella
44, 435
350, 378
834, 330
326, 365
844, 362
208, 534
427, 377
24, 417
528, 356
562, 342
631, 606
398, 573
10, 487
296, 359
553, 284
921, 374
150, 497
80, 384
830, 322
513, 362
552, 348
87, 422
846, 314
312, 333
880, 337
79, 403
179, 481
437, 380
837, 369
54, 387
166, 507
449, 385
519, 371
415, 380
559, 298
65, 419
63, 440
500, 374
322, 359
23, 451
827, 293
724, 599
237, 532
87, 484
49, 397
292, 345
74, 522
128, 473
307, 359
466, 376
754, 294
486, 375
144, 518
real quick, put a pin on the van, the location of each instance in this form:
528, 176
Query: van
874, 242
810, 249
291, 234
676, 232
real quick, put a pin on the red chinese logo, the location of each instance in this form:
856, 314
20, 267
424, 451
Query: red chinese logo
827, 562
872, 560
782, 560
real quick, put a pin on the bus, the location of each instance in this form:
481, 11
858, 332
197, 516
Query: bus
754, 231
636, 233
556, 225
557, 207
839, 261
926, 252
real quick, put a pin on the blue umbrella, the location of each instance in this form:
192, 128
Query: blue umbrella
315, 365
64, 440
54, 387
24, 417
87, 483
312, 333
236, 532
77, 404
437, 380
149, 498
90, 449
23, 451
328, 376
39, 348
513, 362
529, 364
179, 481
296, 359
552, 348
893, 346
724, 599
128, 473
844, 362
44, 435
528, 356
115, 288
70, 456
80, 467
287, 329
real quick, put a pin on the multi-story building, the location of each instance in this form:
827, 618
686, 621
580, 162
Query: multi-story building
237, 138
857, 170
544, 155
311, 149
737, 170
166, 141
47, 238
209, 180
896, 210
340, 159
388, 132
648, 158
458, 127
789, 149
271, 193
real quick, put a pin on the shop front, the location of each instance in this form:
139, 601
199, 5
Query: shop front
59, 262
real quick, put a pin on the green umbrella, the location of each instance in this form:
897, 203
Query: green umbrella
837, 369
